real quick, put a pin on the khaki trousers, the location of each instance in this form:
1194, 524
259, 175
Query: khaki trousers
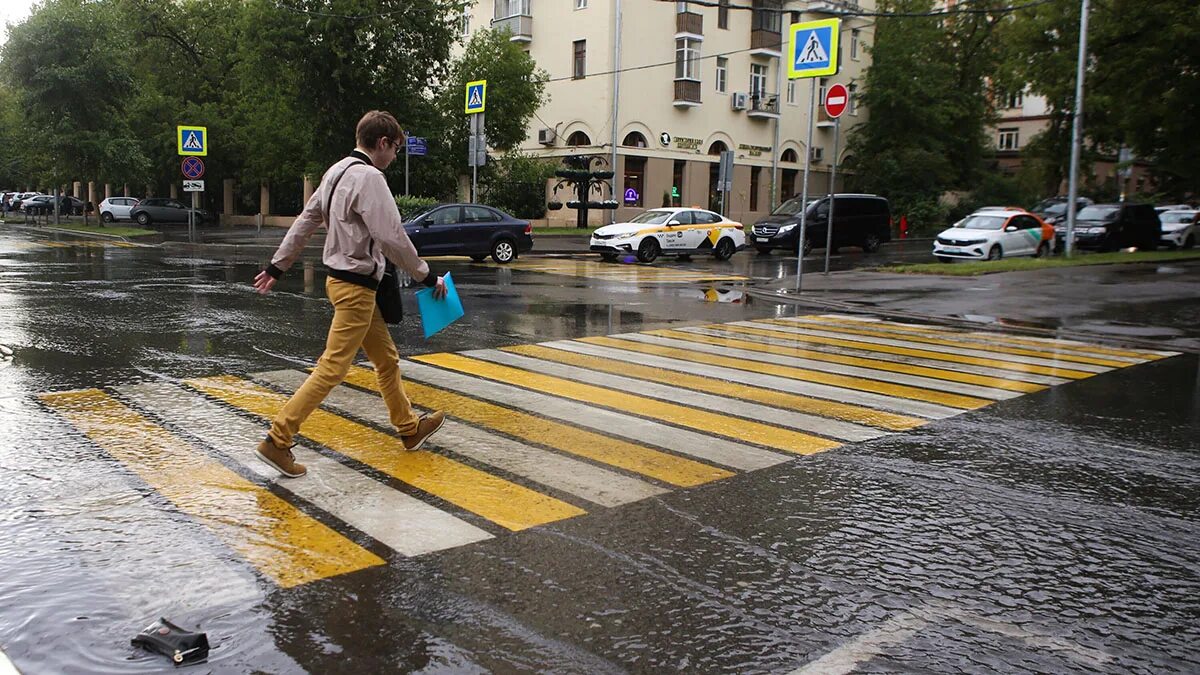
356, 323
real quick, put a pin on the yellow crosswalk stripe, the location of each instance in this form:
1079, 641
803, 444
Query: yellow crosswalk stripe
778, 399
977, 336
844, 381
911, 351
709, 422
283, 542
950, 342
663, 466
505, 503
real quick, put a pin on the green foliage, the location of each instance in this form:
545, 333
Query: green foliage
516, 183
410, 206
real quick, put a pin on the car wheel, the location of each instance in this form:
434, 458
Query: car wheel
763, 250
648, 250
1189, 242
994, 253
870, 243
724, 249
504, 251
143, 218
608, 257
478, 258
808, 246
1043, 250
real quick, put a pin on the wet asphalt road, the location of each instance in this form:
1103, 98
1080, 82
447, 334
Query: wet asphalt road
1050, 531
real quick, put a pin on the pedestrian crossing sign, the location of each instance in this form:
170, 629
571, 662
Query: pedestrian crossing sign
813, 50
476, 96
192, 140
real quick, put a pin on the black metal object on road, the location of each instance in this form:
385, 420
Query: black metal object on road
184, 648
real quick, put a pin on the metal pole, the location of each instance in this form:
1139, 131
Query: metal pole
612, 213
1077, 128
474, 164
406, 167
778, 115
57, 199
812, 99
837, 126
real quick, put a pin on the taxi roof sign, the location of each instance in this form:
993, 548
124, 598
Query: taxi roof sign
813, 49
192, 140
476, 96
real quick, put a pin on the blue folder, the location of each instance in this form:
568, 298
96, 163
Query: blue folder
437, 314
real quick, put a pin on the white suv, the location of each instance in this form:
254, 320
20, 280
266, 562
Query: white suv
117, 208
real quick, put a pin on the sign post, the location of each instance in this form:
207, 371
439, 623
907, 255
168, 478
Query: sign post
193, 143
475, 103
725, 176
836, 100
415, 146
812, 53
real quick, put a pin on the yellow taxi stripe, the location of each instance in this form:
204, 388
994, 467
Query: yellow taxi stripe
778, 399
702, 420
283, 542
507, 504
949, 342
978, 336
907, 351
565, 438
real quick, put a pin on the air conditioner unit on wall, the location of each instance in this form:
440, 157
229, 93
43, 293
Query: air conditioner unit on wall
817, 155
546, 136
738, 101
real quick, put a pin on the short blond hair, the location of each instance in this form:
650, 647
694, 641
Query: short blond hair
375, 125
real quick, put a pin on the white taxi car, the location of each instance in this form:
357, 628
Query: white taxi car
673, 231
992, 234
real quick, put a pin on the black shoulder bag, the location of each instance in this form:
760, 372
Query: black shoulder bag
387, 294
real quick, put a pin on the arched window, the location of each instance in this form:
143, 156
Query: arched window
717, 148
577, 139
789, 155
634, 140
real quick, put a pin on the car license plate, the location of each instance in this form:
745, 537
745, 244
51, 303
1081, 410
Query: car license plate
763, 239
951, 249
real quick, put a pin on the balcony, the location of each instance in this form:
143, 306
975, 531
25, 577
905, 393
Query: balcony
832, 6
824, 121
763, 106
765, 43
689, 23
687, 93
520, 25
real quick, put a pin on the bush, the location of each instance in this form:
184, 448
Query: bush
516, 183
410, 206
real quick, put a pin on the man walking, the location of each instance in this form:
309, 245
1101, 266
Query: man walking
363, 228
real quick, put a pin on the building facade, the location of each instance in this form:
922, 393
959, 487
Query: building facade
661, 88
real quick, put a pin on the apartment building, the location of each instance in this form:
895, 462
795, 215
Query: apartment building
660, 89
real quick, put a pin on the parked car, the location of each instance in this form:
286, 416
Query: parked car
679, 232
1173, 207
992, 235
469, 229
164, 210
38, 205
23, 197
1055, 212
1108, 227
1180, 228
117, 208
858, 220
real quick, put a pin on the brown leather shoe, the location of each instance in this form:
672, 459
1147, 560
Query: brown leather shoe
280, 459
426, 427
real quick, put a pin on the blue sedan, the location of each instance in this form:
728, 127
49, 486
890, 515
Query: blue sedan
474, 230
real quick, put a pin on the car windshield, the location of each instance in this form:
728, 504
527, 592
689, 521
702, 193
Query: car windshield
791, 207
1056, 209
983, 222
652, 217
1099, 213
1178, 217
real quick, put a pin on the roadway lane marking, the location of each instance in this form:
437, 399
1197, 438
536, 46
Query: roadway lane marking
597, 485
6, 665
701, 420
766, 374
507, 504
551, 362
724, 381
661, 466
682, 441
285, 544
401, 522
1052, 356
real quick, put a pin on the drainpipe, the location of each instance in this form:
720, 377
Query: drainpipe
616, 96
779, 112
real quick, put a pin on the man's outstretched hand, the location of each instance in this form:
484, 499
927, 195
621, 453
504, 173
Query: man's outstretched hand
439, 291
265, 282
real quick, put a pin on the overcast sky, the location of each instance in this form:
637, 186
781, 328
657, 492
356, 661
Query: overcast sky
13, 11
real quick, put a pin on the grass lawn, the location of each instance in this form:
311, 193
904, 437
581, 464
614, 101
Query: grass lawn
106, 229
971, 269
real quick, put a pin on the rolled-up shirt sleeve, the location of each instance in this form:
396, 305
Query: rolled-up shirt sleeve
297, 236
378, 210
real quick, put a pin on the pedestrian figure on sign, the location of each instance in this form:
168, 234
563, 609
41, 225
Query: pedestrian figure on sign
364, 231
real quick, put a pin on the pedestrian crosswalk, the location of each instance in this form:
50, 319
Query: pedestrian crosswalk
35, 244
631, 273
539, 434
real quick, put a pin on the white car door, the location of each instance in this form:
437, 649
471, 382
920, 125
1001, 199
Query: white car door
706, 222
674, 236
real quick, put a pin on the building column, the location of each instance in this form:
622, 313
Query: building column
228, 189
264, 198
107, 190
125, 190
174, 191
92, 192
309, 188
77, 189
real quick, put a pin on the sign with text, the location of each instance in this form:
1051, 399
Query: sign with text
416, 146
193, 186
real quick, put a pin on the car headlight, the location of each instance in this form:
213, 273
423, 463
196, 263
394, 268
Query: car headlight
625, 235
788, 228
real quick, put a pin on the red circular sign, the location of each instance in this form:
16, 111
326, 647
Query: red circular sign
836, 100
192, 167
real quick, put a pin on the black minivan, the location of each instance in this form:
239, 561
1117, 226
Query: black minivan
1108, 227
858, 220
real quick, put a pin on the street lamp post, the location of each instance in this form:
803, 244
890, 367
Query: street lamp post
1077, 128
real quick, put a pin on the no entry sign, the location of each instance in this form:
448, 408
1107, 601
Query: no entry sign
836, 100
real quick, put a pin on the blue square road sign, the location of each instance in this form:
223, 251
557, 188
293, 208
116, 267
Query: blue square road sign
813, 50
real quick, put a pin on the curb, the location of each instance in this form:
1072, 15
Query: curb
78, 233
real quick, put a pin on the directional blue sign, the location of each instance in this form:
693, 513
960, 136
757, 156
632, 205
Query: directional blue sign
813, 51
417, 146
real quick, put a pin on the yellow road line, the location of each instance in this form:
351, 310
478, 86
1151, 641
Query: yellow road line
791, 372
778, 399
283, 542
943, 341
563, 437
702, 420
507, 504
910, 351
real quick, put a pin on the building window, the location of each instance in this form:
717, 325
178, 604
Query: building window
677, 182
687, 59
507, 8
580, 62
787, 186
722, 73
789, 155
854, 44
853, 103
635, 179
755, 172
717, 148
758, 79
1009, 139
577, 139
1015, 100
465, 21
766, 16
821, 86
791, 92
634, 139
723, 15
580, 4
